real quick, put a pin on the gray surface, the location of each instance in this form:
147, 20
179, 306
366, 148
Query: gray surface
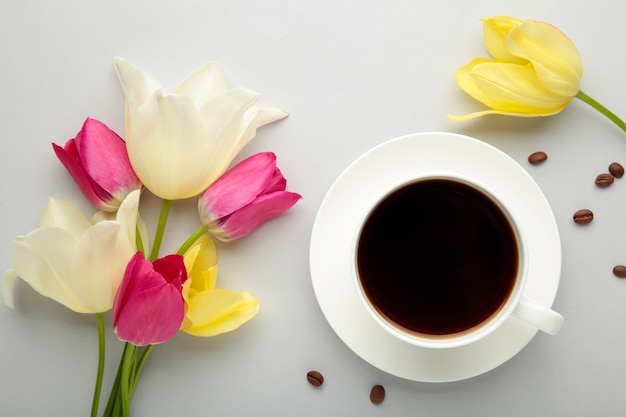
353, 75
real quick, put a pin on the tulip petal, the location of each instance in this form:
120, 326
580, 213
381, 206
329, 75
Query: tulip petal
136, 266
73, 262
169, 127
508, 88
224, 116
43, 260
461, 118
94, 277
218, 311
63, 213
104, 157
137, 85
250, 217
172, 268
257, 116
204, 84
179, 143
147, 308
7, 288
94, 193
554, 56
278, 182
495, 30
128, 217
151, 316
201, 265
239, 186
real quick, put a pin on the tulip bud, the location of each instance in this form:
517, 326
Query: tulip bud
97, 160
245, 197
148, 307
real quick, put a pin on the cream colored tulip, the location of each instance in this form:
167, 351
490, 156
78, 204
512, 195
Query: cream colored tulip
75, 262
179, 143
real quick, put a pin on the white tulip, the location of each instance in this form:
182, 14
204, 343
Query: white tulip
180, 143
71, 260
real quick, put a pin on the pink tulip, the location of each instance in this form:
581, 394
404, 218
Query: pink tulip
97, 160
245, 197
149, 307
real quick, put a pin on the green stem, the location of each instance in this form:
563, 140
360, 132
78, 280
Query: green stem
158, 237
599, 107
138, 240
113, 403
128, 366
101, 344
140, 364
191, 240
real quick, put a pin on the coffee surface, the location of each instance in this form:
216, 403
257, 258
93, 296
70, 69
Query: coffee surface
437, 257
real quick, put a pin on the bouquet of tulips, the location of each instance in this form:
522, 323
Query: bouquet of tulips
178, 145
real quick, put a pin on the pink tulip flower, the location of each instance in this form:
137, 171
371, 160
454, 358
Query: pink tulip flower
149, 306
245, 197
97, 160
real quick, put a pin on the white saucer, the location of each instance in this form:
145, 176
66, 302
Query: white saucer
337, 222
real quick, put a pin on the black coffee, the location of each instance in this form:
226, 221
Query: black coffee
437, 257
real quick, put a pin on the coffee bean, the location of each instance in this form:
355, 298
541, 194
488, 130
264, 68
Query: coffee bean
619, 271
604, 180
583, 216
537, 157
315, 378
616, 169
377, 394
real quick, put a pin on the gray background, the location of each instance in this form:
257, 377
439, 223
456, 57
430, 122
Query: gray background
353, 75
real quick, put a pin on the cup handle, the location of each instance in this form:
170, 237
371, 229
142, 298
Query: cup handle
539, 316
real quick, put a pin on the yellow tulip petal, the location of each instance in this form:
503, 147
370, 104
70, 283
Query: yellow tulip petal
190, 257
495, 30
554, 56
462, 118
218, 311
201, 264
508, 88
7, 288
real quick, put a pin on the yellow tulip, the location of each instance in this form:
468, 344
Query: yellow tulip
535, 70
210, 311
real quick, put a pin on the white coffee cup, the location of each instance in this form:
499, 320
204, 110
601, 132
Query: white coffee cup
458, 188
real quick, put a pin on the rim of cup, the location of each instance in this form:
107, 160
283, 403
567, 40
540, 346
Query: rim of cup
472, 334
